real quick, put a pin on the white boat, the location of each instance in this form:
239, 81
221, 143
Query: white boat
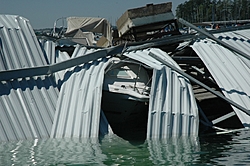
125, 91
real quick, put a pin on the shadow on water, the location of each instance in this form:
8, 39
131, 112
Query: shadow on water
174, 151
226, 149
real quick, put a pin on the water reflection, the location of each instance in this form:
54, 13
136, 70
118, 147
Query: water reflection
227, 149
122, 152
174, 151
52, 152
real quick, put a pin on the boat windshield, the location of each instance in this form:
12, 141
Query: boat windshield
118, 72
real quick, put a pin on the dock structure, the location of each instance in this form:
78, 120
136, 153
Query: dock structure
47, 92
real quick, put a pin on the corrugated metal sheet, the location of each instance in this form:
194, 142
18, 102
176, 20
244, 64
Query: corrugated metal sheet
79, 103
66, 77
82, 51
27, 106
239, 40
48, 48
230, 70
53, 56
172, 107
244, 33
19, 44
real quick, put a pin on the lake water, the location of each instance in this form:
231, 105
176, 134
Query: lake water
226, 149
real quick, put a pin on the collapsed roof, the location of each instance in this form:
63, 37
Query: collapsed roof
35, 98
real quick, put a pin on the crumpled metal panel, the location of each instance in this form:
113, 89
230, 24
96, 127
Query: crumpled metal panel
79, 51
27, 108
19, 46
78, 107
54, 56
48, 48
66, 77
172, 106
230, 71
244, 33
239, 40
78, 111
27, 105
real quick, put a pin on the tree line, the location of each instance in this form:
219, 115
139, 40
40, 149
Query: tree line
195, 11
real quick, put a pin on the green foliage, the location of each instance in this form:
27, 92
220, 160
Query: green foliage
196, 11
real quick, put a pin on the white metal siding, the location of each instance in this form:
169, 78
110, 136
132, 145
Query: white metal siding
48, 48
79, 104
78, 107
230, 70
78, 112
239, 40
34, 108
172, 108
27, 106
244, 33
19, 46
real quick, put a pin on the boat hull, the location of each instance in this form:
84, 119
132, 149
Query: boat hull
120, 108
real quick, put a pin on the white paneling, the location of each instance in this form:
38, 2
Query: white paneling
172, 107
230, 70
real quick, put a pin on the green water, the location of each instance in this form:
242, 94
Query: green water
227, 149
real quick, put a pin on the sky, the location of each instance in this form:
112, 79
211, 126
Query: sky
43, 13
